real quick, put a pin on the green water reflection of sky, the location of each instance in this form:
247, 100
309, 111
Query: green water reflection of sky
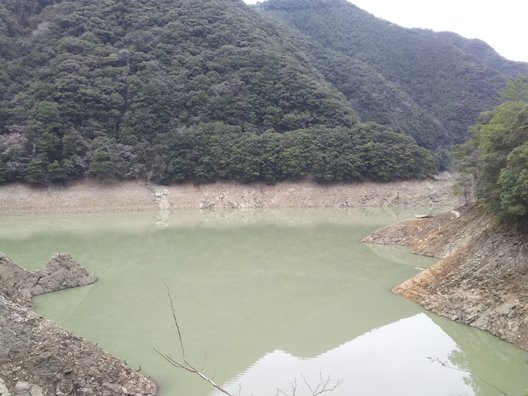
263, 297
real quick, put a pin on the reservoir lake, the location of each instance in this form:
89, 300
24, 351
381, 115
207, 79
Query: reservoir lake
266, 300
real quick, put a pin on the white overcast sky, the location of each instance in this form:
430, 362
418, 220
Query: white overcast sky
502, 24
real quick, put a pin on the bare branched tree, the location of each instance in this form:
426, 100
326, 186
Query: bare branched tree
325, 385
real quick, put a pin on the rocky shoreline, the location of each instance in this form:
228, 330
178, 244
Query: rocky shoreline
37, 357
482, 277
89, 196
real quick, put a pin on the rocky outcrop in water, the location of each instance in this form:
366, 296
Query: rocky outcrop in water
61, 272
482, 279
37, 357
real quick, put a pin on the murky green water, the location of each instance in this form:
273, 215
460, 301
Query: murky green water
264, 299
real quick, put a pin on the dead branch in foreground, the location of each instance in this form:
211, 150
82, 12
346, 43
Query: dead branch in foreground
325, 384
184, 364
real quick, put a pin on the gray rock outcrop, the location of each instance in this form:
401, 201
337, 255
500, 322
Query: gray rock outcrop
37, 357
482, 279
60, 272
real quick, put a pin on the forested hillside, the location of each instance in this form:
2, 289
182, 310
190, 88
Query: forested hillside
445, 79
203, 90
494, 161
174, 91
374, 98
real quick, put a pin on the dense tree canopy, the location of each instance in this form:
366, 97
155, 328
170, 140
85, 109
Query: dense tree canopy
202, 90
497, 156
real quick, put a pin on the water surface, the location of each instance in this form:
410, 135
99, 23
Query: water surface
264, 299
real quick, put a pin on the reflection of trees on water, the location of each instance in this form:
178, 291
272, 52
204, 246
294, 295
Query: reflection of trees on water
488, 361
459, 361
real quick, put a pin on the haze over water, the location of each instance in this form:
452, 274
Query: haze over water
263, 298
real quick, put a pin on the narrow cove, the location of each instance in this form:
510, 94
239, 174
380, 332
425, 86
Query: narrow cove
263, 297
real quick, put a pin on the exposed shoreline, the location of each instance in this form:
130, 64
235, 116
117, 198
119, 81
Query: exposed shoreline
482, 277
37, 357
88, 196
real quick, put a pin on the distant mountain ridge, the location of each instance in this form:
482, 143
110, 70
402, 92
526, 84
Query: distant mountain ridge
451, 78
482, 51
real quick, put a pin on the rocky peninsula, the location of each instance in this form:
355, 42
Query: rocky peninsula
39, 358
482, 276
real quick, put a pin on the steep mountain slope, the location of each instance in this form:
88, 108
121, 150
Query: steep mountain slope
206, 61
447, 76
375, 98
173, 91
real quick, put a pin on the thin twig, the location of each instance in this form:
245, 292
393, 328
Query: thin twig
293, 386
191, 369
323, 385
184, 364
176, 321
